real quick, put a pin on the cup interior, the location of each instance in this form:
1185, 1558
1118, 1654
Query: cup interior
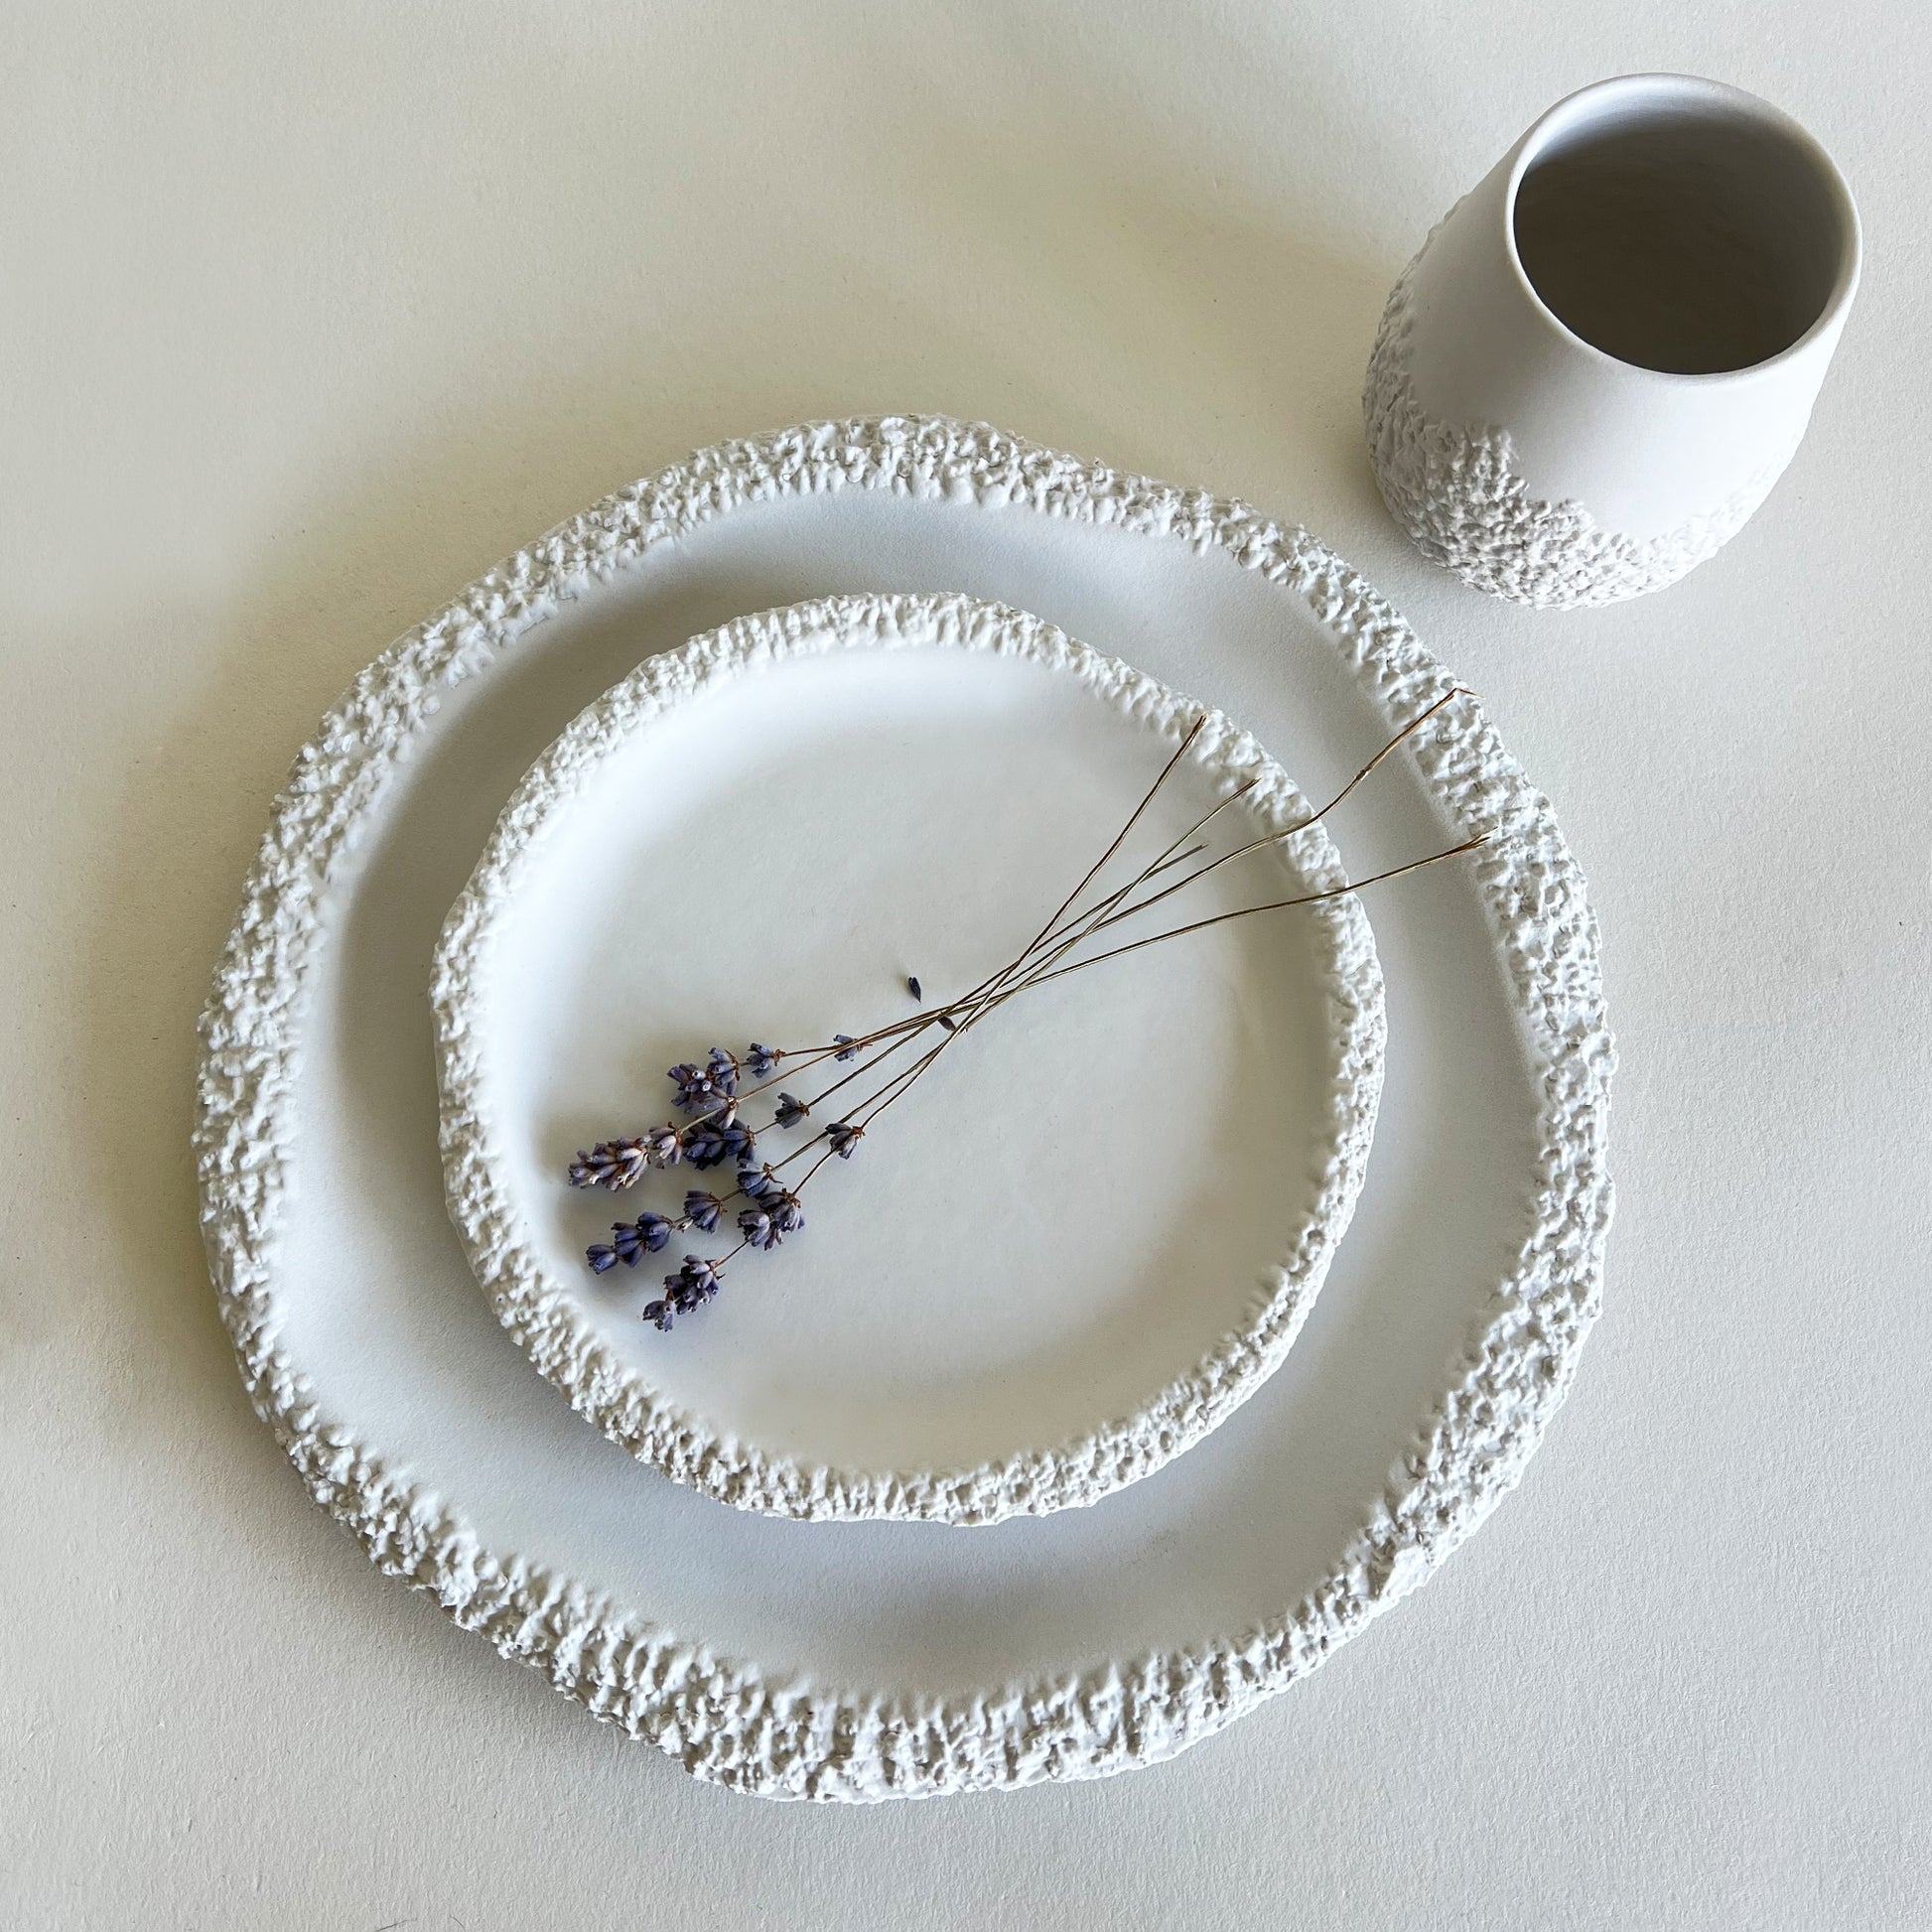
1683, 227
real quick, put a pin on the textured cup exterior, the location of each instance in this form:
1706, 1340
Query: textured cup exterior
1537, 468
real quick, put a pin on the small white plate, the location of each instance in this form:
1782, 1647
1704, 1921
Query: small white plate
1084, 1238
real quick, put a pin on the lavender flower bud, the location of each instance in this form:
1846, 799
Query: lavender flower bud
762, 1061
693, 1285
702, 1210
701, 1089
844, 1041
759, 1228
755, 1183
791, 1110
662, 1146
704, 1144
739, 1142
602, 1257
609, 1164
843, 1137
660, 1312
787, 1215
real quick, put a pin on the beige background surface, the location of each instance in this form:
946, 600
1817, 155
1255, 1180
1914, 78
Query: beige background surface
309, 316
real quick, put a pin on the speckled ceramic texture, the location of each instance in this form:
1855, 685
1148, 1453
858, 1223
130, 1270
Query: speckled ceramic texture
546, 1313
1459, 494
778, 1731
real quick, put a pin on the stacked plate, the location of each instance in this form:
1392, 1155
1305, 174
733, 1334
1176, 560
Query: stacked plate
809, 736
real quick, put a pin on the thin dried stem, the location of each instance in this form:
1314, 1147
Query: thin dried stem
1289, 831
1272, 906
1120, 837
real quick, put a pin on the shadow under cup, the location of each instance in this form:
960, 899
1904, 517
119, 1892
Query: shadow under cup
1690, 236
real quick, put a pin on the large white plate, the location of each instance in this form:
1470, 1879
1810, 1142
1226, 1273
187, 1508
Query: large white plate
868, 1660
1097, 1224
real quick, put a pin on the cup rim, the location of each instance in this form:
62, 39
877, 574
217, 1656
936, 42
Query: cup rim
1687, 87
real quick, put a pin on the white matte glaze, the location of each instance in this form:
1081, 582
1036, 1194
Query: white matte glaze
1053, 1245
1534, 464
868, 1661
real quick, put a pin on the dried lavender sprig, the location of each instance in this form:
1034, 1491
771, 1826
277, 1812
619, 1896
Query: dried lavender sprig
609, 1164
1093, 872
896, 1089
1119, 838
919, 1021
1248, 912
843, 1136
1095, 919
1042, 974
715, 1082
631, 1241
1289, 831
1105, 914
843, 1045
843, 1049
994, 983
697, 1280
1109, 911
1172, 856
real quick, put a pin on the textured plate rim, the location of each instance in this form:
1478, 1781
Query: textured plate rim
548, 1319
720, 1717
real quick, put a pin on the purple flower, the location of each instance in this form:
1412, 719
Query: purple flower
844, 1041
739, 1142
759, 1228
762, 1061
702, 1210
755, 1183
693, 1285
635, 1239
609, 1164
791, 1110
773, 1215
843, 1137
660, 1312
704, 1144
912, 986
703, 1088
692, 1089
630, 1242
662, 1146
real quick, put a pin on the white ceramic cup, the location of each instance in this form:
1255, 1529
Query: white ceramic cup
1606, 352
